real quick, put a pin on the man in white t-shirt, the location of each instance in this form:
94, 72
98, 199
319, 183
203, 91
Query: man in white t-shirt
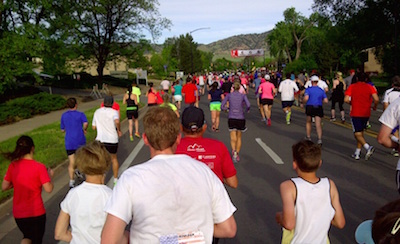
390, 120
287, 88
390, 96
106, 122
170, 198
321, 84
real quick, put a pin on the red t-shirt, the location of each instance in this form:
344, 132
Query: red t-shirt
361, 99
189, 90
27, 177
211, 152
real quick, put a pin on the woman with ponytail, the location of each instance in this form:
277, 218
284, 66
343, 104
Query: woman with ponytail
27, 177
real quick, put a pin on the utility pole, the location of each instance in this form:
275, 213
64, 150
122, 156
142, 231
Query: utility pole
191, 46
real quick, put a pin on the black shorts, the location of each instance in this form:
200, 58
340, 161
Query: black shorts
266, 101
111, 147
70, 152
132, 114
32, 227
359, 123
314, 111
286, 104
237, 124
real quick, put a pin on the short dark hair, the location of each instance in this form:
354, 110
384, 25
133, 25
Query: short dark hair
71, 102
396, 81
307, 155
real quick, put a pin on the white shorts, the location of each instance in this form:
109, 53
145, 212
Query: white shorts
178, 98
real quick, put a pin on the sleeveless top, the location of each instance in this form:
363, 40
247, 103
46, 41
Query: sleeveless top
313, 210
130, 103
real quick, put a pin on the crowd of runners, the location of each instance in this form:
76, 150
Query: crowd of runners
165, 202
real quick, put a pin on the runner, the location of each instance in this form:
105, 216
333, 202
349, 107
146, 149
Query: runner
236, 119
287, 88
190, 92
132, 112
215, 96
314, 97
256, 83
267, 92
360, 95
338, 88
74, 123
106, 122
177, 94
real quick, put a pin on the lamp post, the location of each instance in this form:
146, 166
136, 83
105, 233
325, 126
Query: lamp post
191, 46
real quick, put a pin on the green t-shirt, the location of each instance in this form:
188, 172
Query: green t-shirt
137, 92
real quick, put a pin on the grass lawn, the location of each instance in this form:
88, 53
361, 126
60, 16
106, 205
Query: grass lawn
49, 145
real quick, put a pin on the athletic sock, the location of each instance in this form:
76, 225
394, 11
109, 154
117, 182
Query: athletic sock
358, 151
366, 146
71, 183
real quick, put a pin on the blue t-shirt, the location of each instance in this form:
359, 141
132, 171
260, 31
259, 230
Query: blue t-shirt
315, 96
256, 83
72, 122
215, 95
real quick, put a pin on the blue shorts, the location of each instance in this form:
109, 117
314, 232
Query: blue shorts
359, 123
286, 104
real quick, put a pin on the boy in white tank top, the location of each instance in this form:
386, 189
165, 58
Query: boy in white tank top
309, 203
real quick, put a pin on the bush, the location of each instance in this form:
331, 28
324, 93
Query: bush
27, 107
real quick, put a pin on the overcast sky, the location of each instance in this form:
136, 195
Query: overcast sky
225, 18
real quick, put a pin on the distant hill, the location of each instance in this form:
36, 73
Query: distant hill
222, 48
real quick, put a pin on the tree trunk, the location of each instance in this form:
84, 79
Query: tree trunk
298, 49
288, 55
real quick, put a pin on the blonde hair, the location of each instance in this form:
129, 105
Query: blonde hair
161, 126
236, 86
93, 159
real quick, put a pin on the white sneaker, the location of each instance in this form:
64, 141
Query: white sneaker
356, 156
369, 153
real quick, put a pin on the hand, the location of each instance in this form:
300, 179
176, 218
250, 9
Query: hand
119, 133
50, 172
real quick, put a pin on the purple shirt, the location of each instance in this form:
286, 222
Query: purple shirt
236, 108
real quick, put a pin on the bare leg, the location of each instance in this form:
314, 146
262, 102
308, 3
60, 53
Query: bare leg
130, 128
360, 139
26, 241
115, 165
333, 115
238, 140
217, 119
308, 126
318, 127
137, 125
71, 166
213, 119
233, 140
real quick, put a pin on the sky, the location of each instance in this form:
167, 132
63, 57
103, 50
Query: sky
220, 19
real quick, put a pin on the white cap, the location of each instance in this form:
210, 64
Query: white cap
267, 77
314, 78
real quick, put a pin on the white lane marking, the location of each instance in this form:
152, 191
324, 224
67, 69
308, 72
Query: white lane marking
269, 151
127, 162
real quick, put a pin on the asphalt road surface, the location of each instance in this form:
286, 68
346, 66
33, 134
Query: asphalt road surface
266, 161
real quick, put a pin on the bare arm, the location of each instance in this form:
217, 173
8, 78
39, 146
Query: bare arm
124, 99
209, 97
338, 220
347, 99
287, 218
61, 232
376, 100
325, 100
113, 230
118, 126
48, 186
305, 99
226, 229
232, 181
6, 185
384, 137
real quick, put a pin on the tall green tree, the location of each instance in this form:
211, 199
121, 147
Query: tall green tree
102, 27
365, 24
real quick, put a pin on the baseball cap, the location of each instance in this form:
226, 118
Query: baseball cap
267, 77
314, 78
108, 101
363, 233
192, 118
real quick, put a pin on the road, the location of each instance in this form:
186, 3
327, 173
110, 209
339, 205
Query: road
266, 161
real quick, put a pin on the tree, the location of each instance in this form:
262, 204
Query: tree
365, 24
103, 26
188, 56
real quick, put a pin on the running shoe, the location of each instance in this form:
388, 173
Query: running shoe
307, 138
131, 138
234, 156
368, 125
343, 120
369, 153
395, 152
269, 122
79, 174
288, 114
237, 157
263, 119
137, 134
288, 122
356, 156
333, 119
71, 184
319, 142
